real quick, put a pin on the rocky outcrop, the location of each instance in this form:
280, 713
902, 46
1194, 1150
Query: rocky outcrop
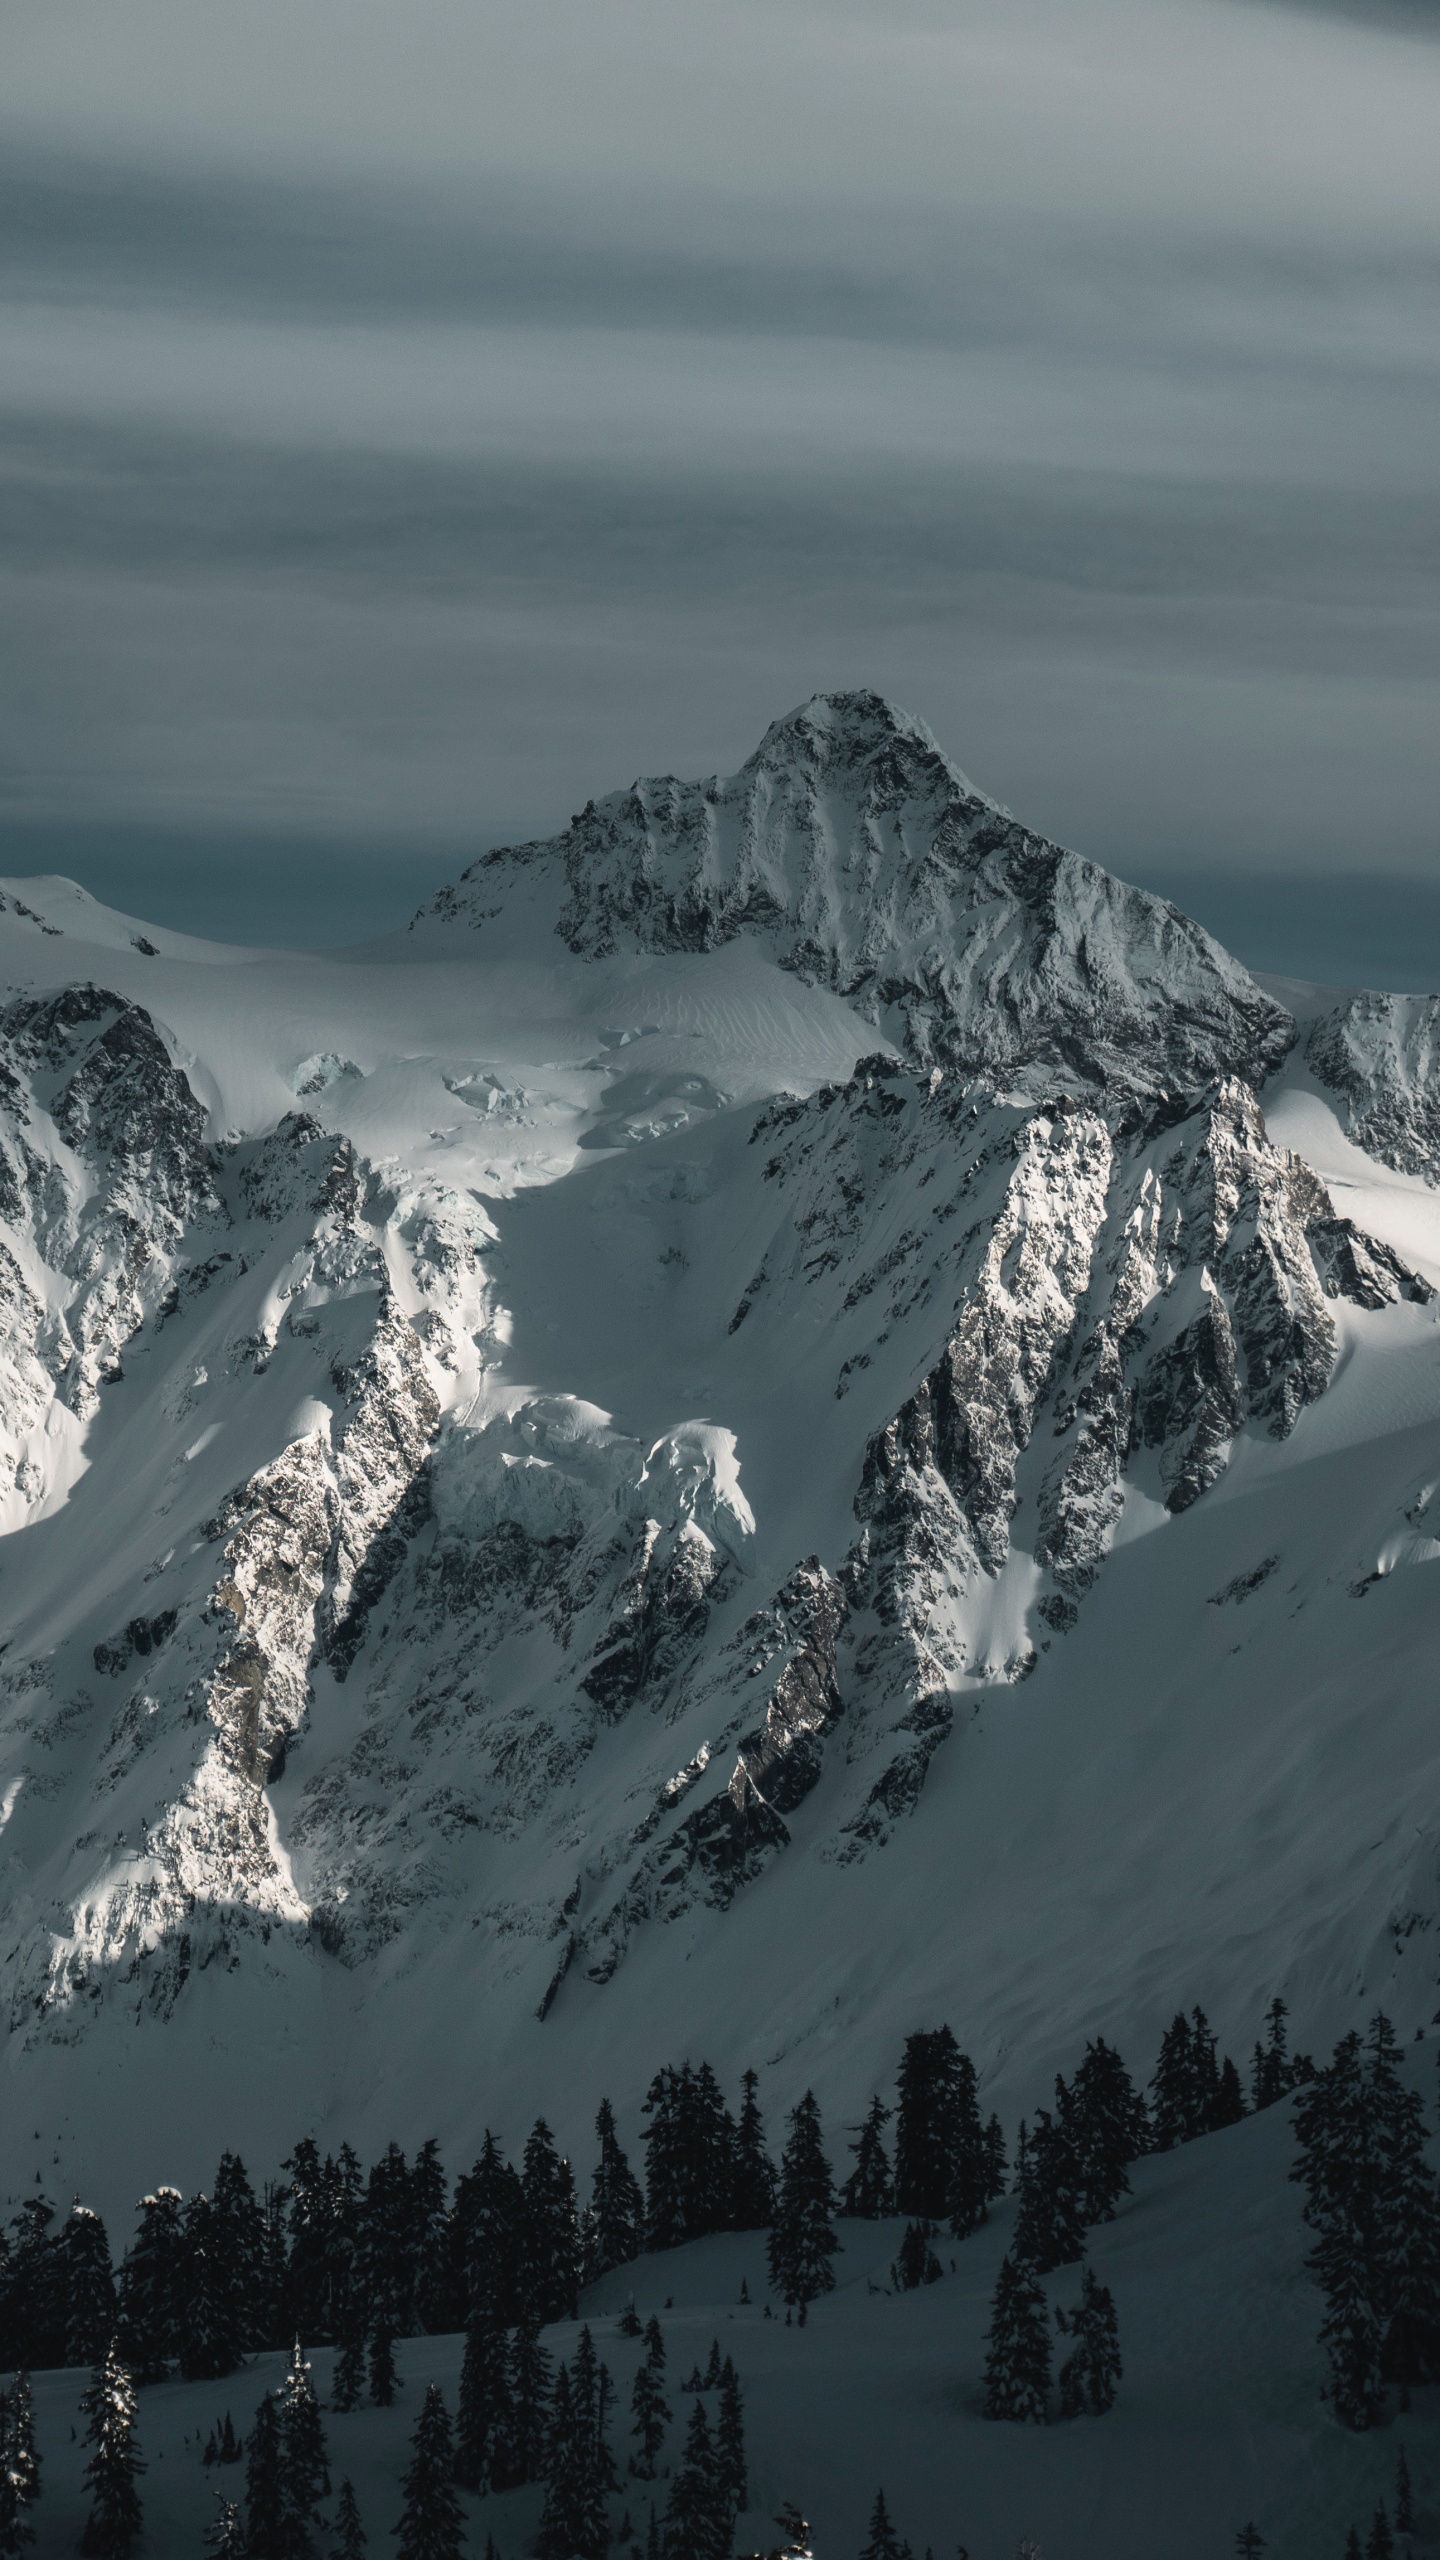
1380, 1055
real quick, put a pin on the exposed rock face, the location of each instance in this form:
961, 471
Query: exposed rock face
1381, 1055
852, 849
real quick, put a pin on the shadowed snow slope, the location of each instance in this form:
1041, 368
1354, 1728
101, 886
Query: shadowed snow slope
794, 1415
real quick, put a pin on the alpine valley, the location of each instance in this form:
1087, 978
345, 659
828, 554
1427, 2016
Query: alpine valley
793, 1416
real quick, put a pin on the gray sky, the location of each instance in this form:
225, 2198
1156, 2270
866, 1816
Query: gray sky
417, 415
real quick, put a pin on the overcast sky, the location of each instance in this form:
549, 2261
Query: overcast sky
417, 415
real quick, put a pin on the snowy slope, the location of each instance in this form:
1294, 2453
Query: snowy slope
794, 1415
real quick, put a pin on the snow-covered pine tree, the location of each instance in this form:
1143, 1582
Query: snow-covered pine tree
225, 2535
108, 2405
18, 2450
151, 2286
483, 2421
350, 2535
550, 2231
90, 2308
916, 2262
882, 2542
753, 2197
1091, 2373
16, 2531
617, 2205
650, 2411
384, 2380
266, 2511
697, 2524
802, 2242
530, 2387
869, 2192
304, 2470
1050, 2224
1017, 2358
731, 2468
431, 2524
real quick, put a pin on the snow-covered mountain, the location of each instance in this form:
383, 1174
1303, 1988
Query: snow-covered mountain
795, 1414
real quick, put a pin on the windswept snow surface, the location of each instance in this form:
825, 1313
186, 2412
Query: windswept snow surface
793, 1416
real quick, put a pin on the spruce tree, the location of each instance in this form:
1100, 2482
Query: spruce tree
650, 2411
350, 2535
916, 2263
304, 2470
882, 2542
114, 2465
753, 2197
530, 2387
942, 2165
1050, 2225
802, 2243
550, 2231
487, 2221
347, 2380
1017, 2359
697, 2525
617, 2206
484, 2420
1352, 2546
868, 2192
431, 2523
574, 2524
1249, 2543
17, 2441
225, 2535
90, 2306
33, 2296
731, 2468
384, 2380
267, 2521
15, 2531
1091, 2373
237, 2225
1404, 2495
1270, 2077
207, 2334
1106, 2127
440, 2303
151, 2286
1381, 2542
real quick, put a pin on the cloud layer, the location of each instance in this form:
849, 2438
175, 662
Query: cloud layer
413, 421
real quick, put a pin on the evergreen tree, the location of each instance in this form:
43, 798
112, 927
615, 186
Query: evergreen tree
1229, 2103
697, 2522
487, 2219
1352, 2546
753, 2197
1381, 2542
484, 2419
917, 2263
304, 2470
350, 2535
530, 2387
387, 2261
550, 2231
942, 2162
697, 2177
114, 2465
868, 2192
266, 2516
431, 2524
574, 2524
1404, 2496
617, 2206
225, 2537
1407, 2236
384, 2380
650, 2411
1050, 2225
1017, 2361
1248, 2543
440, 2301
33, 2310
731, 2468
1270, 2073
151, 2286
207, 2333
1105, 2124
802, 2243
15, 2532
17, 2441
347, 2380
237, 2232
882, 2541
91, 2314
1091, 2372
